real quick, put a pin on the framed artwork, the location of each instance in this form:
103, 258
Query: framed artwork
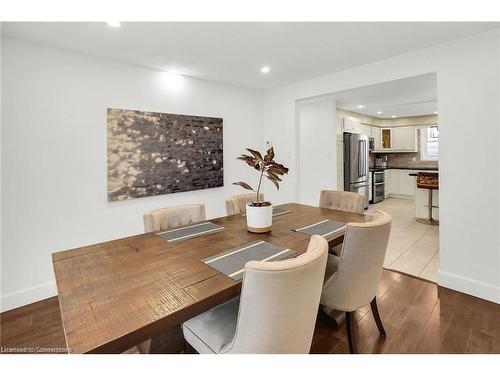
151, 153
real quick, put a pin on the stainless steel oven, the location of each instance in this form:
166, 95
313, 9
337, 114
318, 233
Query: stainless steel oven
378, 186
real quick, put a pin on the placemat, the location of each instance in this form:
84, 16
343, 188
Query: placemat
191, 231
232, 262
325, 228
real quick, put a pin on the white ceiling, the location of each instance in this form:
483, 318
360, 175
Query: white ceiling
415, 96
234, 52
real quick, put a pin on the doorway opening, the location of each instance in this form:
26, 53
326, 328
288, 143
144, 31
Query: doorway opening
400, 121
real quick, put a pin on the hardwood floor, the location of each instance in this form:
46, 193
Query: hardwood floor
37, 325
419, 317
413, 247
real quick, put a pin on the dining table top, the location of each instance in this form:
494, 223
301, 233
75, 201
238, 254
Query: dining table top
117, 294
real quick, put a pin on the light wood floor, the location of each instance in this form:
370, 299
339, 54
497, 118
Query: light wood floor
419, 317
413, 247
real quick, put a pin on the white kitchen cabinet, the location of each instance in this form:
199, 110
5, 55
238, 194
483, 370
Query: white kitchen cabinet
404, 138
395, 139
386, 139
351, 125
355, 125
387, 185
365, 130
394, 182
401, 183
406, 183
376, 137
382, 138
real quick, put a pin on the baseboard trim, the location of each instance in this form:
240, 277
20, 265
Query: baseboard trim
402, 196
27, 296
466, 285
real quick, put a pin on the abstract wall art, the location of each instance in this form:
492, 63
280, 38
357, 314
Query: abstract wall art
152, 153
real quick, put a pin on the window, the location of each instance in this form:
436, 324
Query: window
429, 149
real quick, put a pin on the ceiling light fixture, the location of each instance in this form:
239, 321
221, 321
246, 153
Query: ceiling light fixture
172, 81
379, 112
361, 106
265, 69
435, 112
393, 116
114, 23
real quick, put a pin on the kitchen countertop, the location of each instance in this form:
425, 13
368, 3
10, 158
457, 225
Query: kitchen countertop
413, 168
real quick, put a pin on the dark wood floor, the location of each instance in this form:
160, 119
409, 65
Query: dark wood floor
419, 317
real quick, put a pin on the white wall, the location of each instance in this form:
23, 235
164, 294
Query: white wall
1, 127
54, 154
468, 74
316, 148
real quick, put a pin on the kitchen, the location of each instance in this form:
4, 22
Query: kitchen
396, 124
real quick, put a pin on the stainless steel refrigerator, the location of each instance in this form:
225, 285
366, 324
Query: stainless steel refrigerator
356, 155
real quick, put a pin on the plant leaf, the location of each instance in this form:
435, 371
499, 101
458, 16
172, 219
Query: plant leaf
278, 168
276, 171
249, 160
243, 185
273, 175
274, 182
270, 154
256, 154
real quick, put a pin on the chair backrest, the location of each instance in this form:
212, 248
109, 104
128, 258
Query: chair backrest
279, 303
342, 201
237, 204
170, 217
355, 281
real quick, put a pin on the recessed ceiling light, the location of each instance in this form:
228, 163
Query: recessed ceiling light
361, 106
393, 116
379, 112
435, 112
265, 69
114, 23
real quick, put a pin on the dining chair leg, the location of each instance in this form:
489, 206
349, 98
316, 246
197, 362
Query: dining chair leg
376, 316
349, 325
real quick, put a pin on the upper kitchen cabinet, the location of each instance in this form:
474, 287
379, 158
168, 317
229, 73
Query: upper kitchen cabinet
376, 134
351, 125
386, 138
395, 139
366, 130
404, 138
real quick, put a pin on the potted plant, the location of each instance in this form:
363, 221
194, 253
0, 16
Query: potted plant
260, 214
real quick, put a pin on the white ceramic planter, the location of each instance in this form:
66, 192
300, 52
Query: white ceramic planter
259, 219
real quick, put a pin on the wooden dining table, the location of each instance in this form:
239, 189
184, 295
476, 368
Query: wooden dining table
140, 289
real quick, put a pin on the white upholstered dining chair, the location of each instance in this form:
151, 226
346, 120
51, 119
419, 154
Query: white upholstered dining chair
237, 204
342, 201
170, 217
351, 280
276, 312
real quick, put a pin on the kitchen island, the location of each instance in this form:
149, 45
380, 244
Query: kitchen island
422, 198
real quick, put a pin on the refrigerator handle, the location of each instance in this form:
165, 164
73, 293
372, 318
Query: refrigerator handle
365, 159
363, 164
364, 156
360, 158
